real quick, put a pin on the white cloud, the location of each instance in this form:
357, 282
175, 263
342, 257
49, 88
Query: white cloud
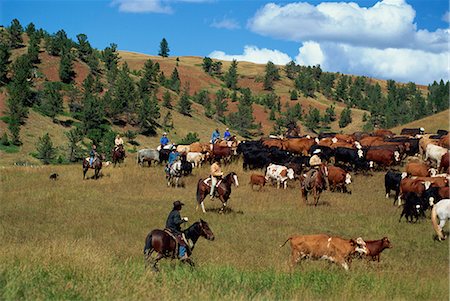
310, 54
446, 17
387, 24
149, 6
226, 24
255, 55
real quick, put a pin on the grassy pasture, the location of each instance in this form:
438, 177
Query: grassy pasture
83, 240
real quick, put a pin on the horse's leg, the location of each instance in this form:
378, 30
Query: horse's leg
203, 207
158, 258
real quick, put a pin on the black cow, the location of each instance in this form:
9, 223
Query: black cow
355, 158
413, 143
324, 152
279, 157
327, 135
442, 132
392, 181
413, 207
164, 155
412, 131
258, 159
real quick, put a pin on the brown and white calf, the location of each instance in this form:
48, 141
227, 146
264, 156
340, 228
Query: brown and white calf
259, 180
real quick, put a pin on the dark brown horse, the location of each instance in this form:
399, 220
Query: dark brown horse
315, 182
165, 245
223, 190
118, 155
96, 165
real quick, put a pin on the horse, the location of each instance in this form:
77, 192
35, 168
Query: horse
314, 181
223, 190
96, 165
440, 210
118, 155
173, 174
166, 246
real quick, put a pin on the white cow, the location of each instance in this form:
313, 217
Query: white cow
435, 153
280, 174
195, 158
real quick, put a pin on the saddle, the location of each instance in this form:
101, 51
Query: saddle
207, 181
309, 178
180, 240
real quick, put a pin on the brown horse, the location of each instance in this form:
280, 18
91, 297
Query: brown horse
118, 155
223, 190
314, 181
96, 165
165, 245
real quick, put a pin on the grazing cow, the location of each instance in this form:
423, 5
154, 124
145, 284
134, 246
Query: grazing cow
383, 157
256, 179
54, 176
412, 131
322, 246
338, 178
412, 185
147, 155
280, 174
375, 247
434, 194
413, 207
419, 170
435, 153
256, 159
392, 181
444, 166
195, 158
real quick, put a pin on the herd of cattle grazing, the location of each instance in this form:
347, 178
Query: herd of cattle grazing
416, 165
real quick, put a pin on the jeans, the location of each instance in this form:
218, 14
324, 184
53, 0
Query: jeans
213, 185
91, 159
182, 251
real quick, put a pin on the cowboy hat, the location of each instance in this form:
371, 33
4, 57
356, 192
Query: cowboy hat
178, 204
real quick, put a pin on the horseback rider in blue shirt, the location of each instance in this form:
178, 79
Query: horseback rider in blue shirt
92, 154
215, 136
173, 223
226, 135
164, 140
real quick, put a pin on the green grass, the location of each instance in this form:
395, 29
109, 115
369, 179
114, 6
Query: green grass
9, 149
83, 240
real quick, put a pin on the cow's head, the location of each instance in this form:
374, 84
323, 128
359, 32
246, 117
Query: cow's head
386, 242
432, 171
348, 179
397, 156
360, 246
334, 140
317, 140
370, 164
360, 153
290, 173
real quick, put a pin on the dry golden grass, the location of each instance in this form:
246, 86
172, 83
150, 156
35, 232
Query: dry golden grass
75, 239
439, 121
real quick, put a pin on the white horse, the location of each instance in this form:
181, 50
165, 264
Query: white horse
174, 174
442, 211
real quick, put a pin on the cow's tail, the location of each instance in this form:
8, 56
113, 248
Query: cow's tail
436, 227
286, 242
199, 193
148, 244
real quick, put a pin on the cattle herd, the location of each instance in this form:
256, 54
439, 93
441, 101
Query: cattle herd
416, 166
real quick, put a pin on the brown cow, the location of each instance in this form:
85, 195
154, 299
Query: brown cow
221, 152
272, 142
369, 140
198, 147
375, 247
412, 185
298, 145
424, 141
338, 178
444, 141
383, 157
444, 165
345, 138
257, 179
322, 246
435, 181
419, 169
383, 133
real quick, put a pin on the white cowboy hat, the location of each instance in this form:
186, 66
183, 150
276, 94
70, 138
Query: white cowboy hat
164, 134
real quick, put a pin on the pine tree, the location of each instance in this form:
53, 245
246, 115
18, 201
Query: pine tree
74, 136
5, 55
291, 70
207, 65
51, 101
30, 29
184, 104
330, 113
174, 82
167, 122
167, 100
346, 117
220, 103
312, 119
45, 150
294, 95
148, 115
84, 47
243, 119
33, 49
15, 31
92, 117
271, 75
124, 95
341, 89
110, 57
164, 48
66, 72
231, 76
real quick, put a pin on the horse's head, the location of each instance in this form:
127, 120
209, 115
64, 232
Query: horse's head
206, 232
234, 178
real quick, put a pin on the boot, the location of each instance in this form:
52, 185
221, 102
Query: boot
184, 257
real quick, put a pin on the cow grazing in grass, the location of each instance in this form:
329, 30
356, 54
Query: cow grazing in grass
375, 247
338, 178
147, 155
322, 246
257, 180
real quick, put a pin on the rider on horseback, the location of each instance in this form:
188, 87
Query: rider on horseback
118, 142
314, 163
227, 134
173, 156
173, 224
164, 140
92, 154
215, 136
216, 174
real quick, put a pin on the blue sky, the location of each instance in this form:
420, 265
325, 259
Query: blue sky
389, 39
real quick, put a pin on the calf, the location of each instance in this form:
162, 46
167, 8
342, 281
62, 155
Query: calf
375, 247
54, 176
413, 207
419, 169
280, 174
338, 178
256, 179
392, 182
322, 246
412, 185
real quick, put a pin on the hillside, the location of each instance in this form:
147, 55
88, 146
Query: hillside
430, 123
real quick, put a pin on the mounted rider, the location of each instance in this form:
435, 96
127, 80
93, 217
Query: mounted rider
118, 143
173, 156
173, 224
93, 154
164, 140
227, 134
215, 136
314, 162
216, 175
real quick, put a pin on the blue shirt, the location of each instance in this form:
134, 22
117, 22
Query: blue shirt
226, 135
164, 140
172, 157
215, 136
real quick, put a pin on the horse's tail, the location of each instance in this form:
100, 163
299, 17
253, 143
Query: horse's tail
148, 244
436, 227
286, 242
199, 193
